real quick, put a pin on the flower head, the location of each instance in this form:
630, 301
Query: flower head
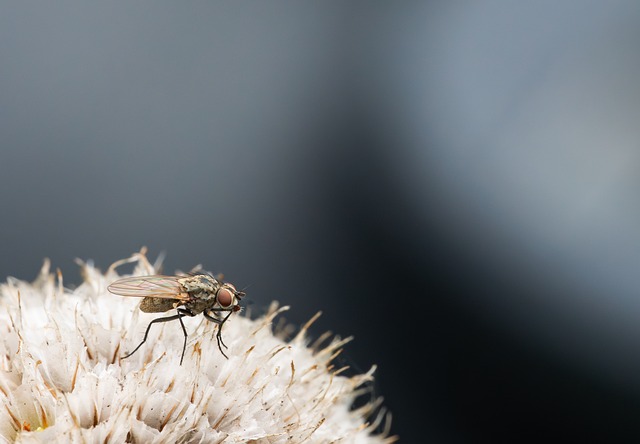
62, 376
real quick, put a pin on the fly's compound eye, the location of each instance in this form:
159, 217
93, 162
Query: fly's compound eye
225, 297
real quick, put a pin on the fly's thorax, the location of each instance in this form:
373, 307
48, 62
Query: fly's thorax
202, 290
197, 306
200, 284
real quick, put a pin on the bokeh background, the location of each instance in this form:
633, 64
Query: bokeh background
453, 183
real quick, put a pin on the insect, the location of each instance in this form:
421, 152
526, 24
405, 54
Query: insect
190, 295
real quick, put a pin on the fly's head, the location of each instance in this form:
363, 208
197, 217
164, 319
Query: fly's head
228, 297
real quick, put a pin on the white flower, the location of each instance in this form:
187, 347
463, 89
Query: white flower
62, 378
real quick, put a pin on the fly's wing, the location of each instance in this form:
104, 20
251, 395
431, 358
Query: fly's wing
164, 287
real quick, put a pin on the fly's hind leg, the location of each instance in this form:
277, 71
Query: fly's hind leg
181, 313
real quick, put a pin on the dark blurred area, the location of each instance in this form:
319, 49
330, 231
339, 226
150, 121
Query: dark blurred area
452, 183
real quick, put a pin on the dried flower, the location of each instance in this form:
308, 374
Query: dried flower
62, 378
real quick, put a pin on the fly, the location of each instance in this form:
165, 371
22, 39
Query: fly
190, 295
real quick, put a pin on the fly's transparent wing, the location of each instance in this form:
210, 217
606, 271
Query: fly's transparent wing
158, 286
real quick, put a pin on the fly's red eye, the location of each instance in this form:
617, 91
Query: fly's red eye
225, 297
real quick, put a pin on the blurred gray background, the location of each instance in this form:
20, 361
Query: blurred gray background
453, 183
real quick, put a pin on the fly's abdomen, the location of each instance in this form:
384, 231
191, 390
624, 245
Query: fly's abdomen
158, 305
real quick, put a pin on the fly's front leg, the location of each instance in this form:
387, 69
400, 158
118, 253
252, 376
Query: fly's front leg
220, 323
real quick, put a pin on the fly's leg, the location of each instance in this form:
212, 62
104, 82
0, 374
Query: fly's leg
220, 323
181, 313
219, 335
